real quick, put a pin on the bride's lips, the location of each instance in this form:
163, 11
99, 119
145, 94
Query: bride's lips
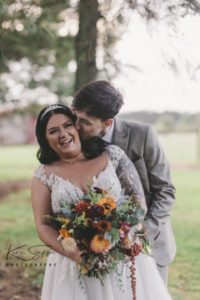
66, 141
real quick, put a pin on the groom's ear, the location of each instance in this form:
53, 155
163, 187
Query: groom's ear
108, 122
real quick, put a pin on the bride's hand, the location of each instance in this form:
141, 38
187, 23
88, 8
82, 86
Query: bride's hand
76, 256
71, 249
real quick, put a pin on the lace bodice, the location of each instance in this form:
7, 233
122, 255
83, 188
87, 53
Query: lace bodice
119, 173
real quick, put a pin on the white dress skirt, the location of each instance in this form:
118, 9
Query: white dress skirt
61, 282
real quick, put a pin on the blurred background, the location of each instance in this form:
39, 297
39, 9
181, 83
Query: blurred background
49, 49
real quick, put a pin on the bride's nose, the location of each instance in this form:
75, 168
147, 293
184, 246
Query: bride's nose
63, 133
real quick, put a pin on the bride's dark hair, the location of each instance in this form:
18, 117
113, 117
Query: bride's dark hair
92, 147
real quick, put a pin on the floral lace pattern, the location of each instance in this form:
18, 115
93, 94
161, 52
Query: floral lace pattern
64, 190
127, 174
127, 178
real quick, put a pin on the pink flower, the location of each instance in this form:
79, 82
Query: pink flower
124, 229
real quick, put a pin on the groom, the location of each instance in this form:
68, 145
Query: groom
96, 106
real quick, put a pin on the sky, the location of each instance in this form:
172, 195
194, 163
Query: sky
165, 59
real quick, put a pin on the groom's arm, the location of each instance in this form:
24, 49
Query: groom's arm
161, 187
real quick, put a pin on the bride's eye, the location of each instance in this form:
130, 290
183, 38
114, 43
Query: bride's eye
53, 131
67, 125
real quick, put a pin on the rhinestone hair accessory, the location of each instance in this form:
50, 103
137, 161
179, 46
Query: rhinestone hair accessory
51, 107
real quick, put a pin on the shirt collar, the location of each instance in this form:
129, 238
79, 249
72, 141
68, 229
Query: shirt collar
109, 134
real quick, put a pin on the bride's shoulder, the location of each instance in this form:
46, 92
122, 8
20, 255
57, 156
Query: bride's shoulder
39, 171
114, 152
45, 169
43, 173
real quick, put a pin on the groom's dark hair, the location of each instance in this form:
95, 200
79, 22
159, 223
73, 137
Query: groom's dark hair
98, 99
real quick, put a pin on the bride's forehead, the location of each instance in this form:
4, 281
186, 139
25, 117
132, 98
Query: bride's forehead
58, 119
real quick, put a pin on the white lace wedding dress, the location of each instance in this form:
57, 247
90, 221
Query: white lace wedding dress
61, 276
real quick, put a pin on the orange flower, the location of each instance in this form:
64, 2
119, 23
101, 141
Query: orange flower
99, 244
108, 203
64, 233
103, 226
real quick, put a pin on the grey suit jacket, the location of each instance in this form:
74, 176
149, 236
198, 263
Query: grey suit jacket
140, 143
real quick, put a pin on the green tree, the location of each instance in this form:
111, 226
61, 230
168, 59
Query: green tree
30, 32
59, 35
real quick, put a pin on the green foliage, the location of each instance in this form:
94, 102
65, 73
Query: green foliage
30, 35
32, 28
113, 236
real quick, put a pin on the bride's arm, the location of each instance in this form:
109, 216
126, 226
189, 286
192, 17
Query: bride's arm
130, 180
127, 174
41, 203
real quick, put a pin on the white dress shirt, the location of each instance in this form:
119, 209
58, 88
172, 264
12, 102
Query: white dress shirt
109, 134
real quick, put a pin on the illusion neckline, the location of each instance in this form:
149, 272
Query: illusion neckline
94, 178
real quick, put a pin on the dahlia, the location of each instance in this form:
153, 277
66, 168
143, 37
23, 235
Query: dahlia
99, 244
108, 203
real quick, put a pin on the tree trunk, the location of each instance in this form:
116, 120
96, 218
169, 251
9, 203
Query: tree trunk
86, 43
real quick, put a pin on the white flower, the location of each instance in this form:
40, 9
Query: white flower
131, 234
139, 227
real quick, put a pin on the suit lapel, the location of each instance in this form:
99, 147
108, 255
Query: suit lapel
121, 134
123, 138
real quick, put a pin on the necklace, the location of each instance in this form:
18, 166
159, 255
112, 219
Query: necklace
73, 160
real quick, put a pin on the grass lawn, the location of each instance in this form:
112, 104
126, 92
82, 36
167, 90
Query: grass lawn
17, 162
184, 280
180, 148
17, 220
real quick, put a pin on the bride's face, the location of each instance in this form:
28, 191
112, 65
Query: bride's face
62, 136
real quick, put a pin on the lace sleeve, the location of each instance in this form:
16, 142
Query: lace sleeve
127, 174
42, 176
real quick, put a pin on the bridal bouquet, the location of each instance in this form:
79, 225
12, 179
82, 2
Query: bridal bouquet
106, 230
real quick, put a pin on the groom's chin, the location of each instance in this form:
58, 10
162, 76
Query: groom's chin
84, 138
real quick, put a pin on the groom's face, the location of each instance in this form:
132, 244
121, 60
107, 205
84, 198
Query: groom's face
89, 126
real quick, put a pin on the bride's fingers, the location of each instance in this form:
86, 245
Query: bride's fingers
76, 256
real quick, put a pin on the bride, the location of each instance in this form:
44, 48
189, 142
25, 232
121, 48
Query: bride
65, 170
